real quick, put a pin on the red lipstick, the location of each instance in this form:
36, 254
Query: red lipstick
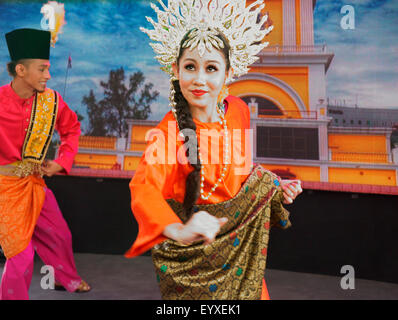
198, 93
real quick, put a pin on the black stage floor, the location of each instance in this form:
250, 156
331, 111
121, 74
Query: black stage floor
114, 277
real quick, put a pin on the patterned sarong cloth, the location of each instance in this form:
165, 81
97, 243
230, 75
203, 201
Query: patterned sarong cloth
233, 266
21, 200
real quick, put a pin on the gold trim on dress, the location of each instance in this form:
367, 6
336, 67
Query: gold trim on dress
41, 127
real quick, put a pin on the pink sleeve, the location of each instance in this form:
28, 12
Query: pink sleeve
68, 128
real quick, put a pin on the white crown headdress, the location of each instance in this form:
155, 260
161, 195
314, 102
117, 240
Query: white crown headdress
204, 19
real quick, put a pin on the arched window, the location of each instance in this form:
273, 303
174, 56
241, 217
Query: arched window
264, 106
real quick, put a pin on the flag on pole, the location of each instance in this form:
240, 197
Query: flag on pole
70, 62
69, 66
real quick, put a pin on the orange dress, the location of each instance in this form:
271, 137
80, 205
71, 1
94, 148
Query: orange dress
162, 172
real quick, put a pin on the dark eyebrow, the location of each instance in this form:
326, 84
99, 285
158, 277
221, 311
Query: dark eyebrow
208, 61
189, 59
213, 61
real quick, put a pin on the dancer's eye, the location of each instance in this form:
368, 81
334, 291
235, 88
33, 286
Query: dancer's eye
211, 68
190, 67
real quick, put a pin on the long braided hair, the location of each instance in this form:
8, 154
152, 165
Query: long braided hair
185, 121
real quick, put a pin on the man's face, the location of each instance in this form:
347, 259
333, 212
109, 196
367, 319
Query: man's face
35, 73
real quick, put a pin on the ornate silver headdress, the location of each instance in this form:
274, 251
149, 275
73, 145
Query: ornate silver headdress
201, 21
204, 19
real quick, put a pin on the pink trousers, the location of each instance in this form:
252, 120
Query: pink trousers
52, 241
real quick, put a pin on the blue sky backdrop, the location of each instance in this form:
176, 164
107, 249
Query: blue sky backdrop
104, 35
365, 66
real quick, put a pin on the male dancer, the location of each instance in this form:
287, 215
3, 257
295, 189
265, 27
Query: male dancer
30, 219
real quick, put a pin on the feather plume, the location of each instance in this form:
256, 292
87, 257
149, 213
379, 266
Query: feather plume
57, 13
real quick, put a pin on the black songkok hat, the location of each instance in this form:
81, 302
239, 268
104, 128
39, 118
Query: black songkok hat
28, 44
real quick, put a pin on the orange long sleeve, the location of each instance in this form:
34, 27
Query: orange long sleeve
150, 186
154, 182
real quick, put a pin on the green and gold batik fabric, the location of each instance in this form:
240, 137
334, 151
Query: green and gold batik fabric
233, 266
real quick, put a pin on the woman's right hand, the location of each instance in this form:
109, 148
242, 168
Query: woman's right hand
201, 226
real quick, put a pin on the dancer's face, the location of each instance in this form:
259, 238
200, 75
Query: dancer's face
35, 74
201, 77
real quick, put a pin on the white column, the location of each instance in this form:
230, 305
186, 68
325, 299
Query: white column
324, 173
253, 127
388, 147
323, 142
307, 23
253, 107
121, 144
120, 160
289, 22
316, 84
129, 136
120, 147
395, 157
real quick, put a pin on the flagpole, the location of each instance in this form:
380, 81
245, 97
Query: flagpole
66, 76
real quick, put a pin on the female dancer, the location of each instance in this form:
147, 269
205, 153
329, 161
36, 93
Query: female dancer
204, 211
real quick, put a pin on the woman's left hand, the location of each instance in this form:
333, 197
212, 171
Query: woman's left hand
291, 189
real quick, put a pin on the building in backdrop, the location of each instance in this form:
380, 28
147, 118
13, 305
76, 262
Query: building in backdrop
298, 132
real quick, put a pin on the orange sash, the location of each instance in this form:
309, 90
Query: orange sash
21, 200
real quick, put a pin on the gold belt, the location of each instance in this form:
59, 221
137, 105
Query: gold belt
7, 170
21, 169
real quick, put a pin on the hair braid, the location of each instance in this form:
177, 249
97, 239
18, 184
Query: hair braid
185, 121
